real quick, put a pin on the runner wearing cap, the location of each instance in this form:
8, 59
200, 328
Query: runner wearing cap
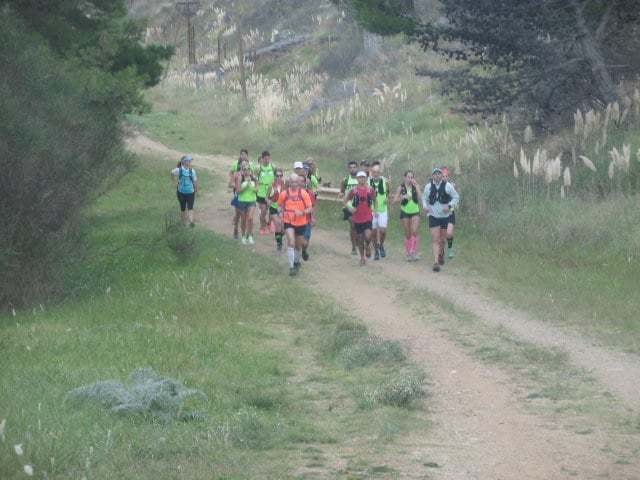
266, 175
438, 200
186, 189
295, 205
408, 197
302, 171
348, 183
359, 202
380, 209
275, 219
452, 215
246, 186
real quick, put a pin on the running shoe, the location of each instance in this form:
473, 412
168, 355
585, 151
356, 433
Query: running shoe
305, 254
354, 251
293, 272
383, 253
244, 240
377, 255
279, 247
250, 240
436, 267
450, 254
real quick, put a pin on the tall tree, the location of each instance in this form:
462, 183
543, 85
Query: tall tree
548, 55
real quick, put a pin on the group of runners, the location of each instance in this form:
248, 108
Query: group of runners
287, 206
366, 196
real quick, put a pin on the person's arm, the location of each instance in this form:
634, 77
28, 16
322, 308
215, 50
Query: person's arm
238, 182
196, 183
307, 203
343, 187
453, 193
425, 196
397, 197
175, 172
347, 202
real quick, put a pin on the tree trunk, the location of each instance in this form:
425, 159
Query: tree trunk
593, 55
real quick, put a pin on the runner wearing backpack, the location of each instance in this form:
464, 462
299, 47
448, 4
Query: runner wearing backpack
439, 199
359, 202
408, 197
302, 171
275, 219
296, 207
186, 189
266, 173
348, 183
380, 209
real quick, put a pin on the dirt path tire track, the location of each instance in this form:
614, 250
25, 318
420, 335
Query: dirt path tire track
481, 429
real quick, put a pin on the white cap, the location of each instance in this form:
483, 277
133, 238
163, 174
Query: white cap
361, 174
298, 165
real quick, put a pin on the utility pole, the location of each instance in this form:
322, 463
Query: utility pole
243, 78
189, 9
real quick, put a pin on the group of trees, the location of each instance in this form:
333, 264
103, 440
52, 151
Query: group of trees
546, 57
71, 69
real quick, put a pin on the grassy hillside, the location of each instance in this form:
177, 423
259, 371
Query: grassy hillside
573, 261
284, 391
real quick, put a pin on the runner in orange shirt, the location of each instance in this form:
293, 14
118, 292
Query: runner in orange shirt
296, 207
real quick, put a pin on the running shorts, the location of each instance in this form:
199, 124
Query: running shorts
380, 220
452, 218
407, 215
299, 230
438, 222
273, 211
261, 200
244, 206
362, 227
186, 200
234, 201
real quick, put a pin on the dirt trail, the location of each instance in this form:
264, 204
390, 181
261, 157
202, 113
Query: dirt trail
481, 430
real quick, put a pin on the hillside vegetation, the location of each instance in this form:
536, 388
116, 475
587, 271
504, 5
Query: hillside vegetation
550, 219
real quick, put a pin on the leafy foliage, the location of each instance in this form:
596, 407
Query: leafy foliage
549, 55
68, 78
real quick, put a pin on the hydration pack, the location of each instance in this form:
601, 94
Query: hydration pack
357, 198
190, 177
440, 194
403, 192
381, 187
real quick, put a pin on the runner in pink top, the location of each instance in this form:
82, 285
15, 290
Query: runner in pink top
359, 202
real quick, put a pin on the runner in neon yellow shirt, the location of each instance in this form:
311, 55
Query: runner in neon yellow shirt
380, 209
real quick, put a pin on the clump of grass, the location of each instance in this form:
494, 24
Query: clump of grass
247, 429
181, 241
400, 390
372, 349
352, 346
146, 393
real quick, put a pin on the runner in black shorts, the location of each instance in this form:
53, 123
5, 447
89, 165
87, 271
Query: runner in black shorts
359, 202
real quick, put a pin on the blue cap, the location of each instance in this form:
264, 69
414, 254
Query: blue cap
436, 170
186, 158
